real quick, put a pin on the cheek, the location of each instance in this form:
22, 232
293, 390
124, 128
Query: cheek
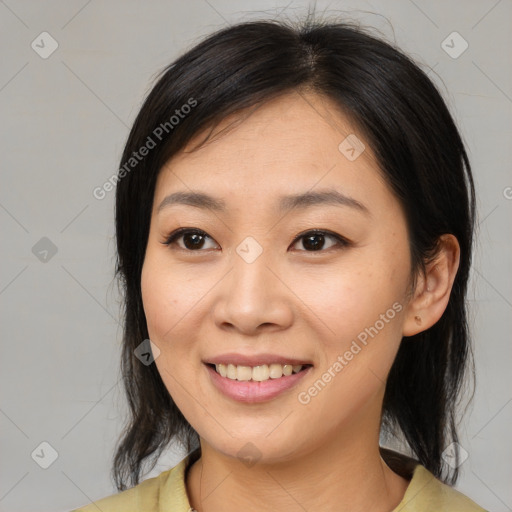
157, 299
163, 311
171, 303
344, 300
359, 308
169, 296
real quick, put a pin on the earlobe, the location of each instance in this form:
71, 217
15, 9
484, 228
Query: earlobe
433, 288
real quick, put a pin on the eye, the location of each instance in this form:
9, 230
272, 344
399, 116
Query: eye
193, 239
314, 240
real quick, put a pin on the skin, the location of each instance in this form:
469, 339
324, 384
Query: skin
292, 301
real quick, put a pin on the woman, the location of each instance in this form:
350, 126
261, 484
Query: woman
294, 220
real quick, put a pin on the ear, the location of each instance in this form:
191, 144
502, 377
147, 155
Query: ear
433, 288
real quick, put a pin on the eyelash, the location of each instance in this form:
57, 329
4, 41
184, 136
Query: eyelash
341, 241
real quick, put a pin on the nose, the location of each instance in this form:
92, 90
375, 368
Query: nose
253, 298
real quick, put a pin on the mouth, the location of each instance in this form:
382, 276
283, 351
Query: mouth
259, 373
257, 378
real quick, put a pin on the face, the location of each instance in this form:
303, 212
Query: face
270, 282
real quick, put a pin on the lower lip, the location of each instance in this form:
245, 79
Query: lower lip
251, 391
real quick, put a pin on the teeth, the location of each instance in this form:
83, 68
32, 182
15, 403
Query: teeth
243, 373
231, 371
275, 371
256, 373
260, 373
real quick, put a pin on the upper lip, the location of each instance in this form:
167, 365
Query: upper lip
254, 360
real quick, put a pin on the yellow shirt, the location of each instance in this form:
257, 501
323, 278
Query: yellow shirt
167, 493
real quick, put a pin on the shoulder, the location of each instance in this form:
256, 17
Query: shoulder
425, 493
166, 491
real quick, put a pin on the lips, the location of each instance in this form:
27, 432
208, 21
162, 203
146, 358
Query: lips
255, 378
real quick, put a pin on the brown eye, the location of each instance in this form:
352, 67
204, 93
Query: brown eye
192, 239
312, 241
316, 241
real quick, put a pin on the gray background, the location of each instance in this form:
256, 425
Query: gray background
64, 122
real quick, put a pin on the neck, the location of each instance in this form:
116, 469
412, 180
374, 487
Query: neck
348, 474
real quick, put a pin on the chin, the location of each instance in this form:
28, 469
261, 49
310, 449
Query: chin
250, 449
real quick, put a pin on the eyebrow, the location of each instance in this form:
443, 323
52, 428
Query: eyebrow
286, 203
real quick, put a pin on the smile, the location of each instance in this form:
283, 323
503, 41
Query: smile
259, 383
258, 373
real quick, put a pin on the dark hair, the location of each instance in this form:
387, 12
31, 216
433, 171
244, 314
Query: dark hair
419, 151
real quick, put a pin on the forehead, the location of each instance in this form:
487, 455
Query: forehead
288, 144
